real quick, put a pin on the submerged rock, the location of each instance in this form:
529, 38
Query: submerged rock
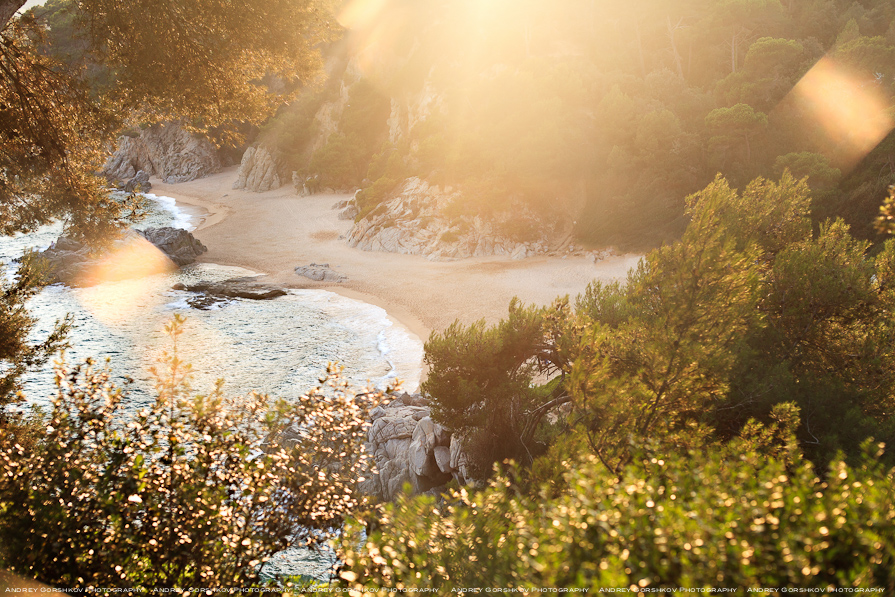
211, 294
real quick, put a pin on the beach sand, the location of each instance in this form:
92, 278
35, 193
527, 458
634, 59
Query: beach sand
276, 231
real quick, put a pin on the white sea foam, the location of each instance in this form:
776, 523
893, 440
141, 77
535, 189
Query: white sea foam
181, 218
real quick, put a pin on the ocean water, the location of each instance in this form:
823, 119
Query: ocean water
279, 347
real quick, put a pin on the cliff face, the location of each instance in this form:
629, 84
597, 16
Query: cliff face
166, 151
259, 171
415, 223
265, 165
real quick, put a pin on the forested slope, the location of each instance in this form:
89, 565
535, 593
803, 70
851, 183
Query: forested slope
608, 114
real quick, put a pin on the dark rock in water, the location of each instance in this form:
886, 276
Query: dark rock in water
64, 243
140, 182
320, 272
204, 302
215, 293
180, 246
71, 262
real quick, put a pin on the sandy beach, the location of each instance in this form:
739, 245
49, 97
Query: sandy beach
276, 231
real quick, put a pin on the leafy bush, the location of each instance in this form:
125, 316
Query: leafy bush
719, 518
481, 381
180, 494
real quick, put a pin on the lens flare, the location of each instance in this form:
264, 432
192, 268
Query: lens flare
119, 283
361, 14
851, 109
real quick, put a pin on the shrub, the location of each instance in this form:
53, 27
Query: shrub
722, 518
180, 494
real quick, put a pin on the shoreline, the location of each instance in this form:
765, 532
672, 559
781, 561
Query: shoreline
274, 232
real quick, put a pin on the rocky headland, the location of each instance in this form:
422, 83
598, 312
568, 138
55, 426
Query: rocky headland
163, 150
415, 223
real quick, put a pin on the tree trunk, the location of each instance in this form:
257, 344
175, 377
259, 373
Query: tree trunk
640, 48
677, 55
733, 52
7, 9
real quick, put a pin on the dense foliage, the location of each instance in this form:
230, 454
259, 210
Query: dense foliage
610, 113
731, 518
195, 490
749, 309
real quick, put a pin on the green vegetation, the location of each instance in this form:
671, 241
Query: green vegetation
731, 518
179, 494
707, 423
721, 405
608, 114
748, 310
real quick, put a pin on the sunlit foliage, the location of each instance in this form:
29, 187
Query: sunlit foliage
749, 309
724, 518
196, 490
482, 382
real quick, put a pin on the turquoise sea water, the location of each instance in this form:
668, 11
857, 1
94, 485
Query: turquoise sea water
278, 347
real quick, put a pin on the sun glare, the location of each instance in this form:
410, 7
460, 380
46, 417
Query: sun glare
120, 283
851, 110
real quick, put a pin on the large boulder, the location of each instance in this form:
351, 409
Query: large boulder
179, 245
137, 254
163, 150
140, 182
408, 446
259, 171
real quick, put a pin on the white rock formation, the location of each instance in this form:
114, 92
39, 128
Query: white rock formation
414, 223
258, 171
409, 447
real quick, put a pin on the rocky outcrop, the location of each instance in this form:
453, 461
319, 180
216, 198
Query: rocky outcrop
211, 294
166, 151
406, 114
320, 272
414, 223
138, 254
259, 171
409, 447
140, 183
348, 209
177, 244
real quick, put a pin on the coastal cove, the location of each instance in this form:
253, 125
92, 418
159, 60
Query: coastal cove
274, 232
279, 347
